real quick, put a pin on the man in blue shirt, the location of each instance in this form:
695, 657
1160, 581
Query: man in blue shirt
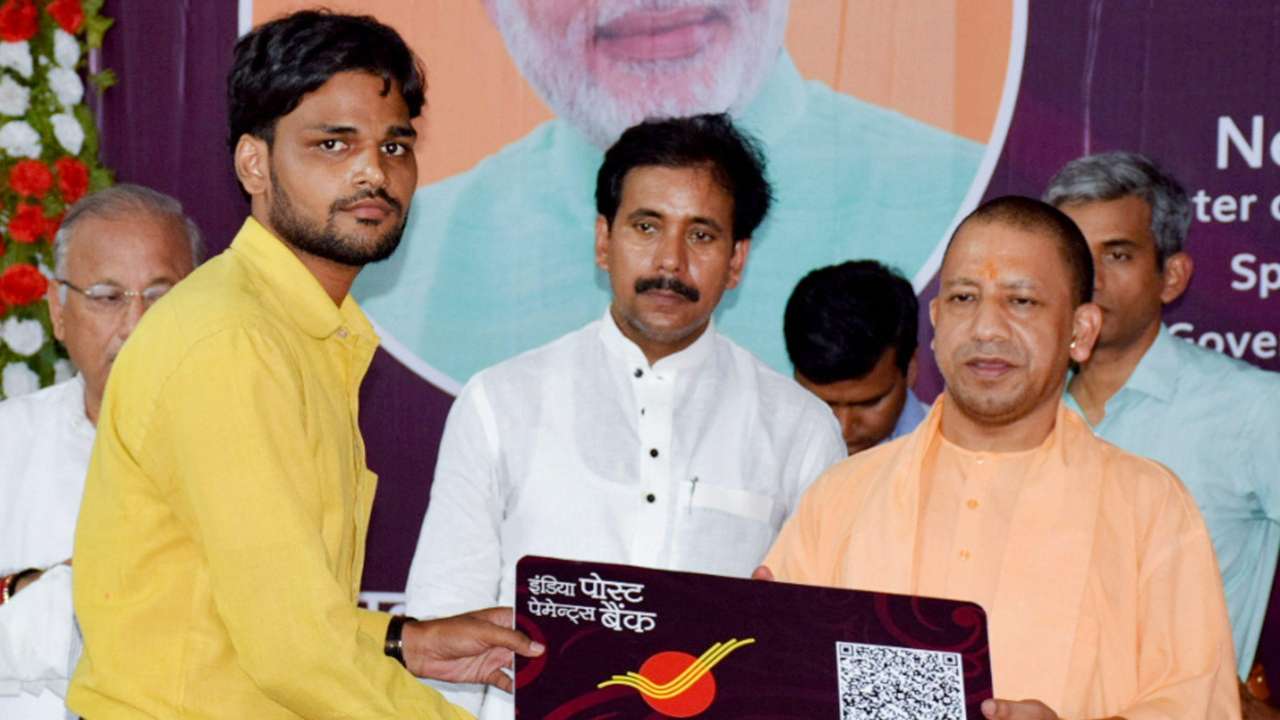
497, 258
850, 331
1209, 418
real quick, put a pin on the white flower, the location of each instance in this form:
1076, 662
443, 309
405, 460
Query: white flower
24, 337
66, 128
17, 57
66, 50
66, 86
63, 370
18, 379
15, 98
18, 139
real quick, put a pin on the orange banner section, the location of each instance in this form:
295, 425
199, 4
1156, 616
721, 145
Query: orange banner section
941, 62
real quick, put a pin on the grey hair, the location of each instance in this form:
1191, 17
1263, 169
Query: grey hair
1113, 175
118, 201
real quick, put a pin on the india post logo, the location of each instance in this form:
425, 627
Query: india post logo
677, 684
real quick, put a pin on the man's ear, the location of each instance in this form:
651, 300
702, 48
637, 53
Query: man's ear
252, 163
1178, 268
55, 311
912, 370
602, 243
738, 262
1085, 326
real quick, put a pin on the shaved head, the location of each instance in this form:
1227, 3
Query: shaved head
1026, 213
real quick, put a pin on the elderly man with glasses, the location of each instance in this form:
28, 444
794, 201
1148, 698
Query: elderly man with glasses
117, 252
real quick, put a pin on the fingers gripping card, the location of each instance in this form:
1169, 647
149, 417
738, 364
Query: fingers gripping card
629, 642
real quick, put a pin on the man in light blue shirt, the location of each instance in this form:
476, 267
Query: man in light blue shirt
850, 332
1210, 418
498, 258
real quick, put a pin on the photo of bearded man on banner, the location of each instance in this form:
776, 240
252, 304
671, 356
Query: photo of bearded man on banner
497, 259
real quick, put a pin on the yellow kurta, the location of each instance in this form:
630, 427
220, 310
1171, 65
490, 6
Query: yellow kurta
221, 537
1094, 567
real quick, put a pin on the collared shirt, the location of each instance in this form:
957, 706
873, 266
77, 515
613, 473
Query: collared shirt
45, 439
1093, 565
580, 449
221, 539
913, 413
1213, 421
497, 259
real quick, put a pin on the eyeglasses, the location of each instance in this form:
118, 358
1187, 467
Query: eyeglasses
108, 298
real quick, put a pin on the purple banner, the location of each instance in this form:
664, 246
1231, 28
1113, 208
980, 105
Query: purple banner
1182, 83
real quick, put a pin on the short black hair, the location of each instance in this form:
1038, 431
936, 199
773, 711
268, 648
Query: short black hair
841, 319
281, 61
735, 160
1031, 214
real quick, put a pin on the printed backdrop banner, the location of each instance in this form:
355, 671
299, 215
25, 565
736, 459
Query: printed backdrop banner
884, 123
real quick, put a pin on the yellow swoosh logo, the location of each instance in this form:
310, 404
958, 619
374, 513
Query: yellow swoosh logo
684, 680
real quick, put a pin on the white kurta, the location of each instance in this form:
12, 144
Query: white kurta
579, 449
45, 441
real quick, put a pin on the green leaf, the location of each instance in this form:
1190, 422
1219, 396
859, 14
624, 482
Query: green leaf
100, 178
95, 27
103, 80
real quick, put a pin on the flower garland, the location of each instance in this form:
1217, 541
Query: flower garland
48, 160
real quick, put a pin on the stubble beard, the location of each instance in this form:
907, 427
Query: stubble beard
327, 241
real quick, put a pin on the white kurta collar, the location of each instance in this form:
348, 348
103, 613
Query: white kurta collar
622, 347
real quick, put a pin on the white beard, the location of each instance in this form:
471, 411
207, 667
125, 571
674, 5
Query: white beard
558, 69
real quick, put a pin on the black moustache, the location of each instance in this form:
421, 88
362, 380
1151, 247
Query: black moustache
379, 194
671, 284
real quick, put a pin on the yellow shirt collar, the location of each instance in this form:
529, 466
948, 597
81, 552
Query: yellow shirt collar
296, 290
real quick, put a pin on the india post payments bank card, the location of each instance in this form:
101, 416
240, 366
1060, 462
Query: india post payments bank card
630, 642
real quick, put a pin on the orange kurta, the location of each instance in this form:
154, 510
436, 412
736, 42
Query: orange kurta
1094, 566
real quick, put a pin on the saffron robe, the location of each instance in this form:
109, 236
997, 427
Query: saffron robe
1107, 598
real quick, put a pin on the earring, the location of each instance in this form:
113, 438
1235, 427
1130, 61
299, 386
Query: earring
1073, 344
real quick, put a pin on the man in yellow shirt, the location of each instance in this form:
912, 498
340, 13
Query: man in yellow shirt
221, 539
1093, 565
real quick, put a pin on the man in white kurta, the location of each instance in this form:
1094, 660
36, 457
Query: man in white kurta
116, 252
645, 437
45, 440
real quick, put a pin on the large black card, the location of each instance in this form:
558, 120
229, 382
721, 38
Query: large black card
631, 642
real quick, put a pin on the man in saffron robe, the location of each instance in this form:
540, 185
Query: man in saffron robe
1094, 565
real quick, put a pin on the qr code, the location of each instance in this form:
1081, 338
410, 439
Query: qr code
879, 682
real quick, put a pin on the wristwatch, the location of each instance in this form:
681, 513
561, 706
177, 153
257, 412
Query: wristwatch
394, 645
9, 585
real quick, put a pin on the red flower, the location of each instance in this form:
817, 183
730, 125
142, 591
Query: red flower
73, 179
27, 224
51, 225
67, 13
22, 284
19, 20
30, 178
